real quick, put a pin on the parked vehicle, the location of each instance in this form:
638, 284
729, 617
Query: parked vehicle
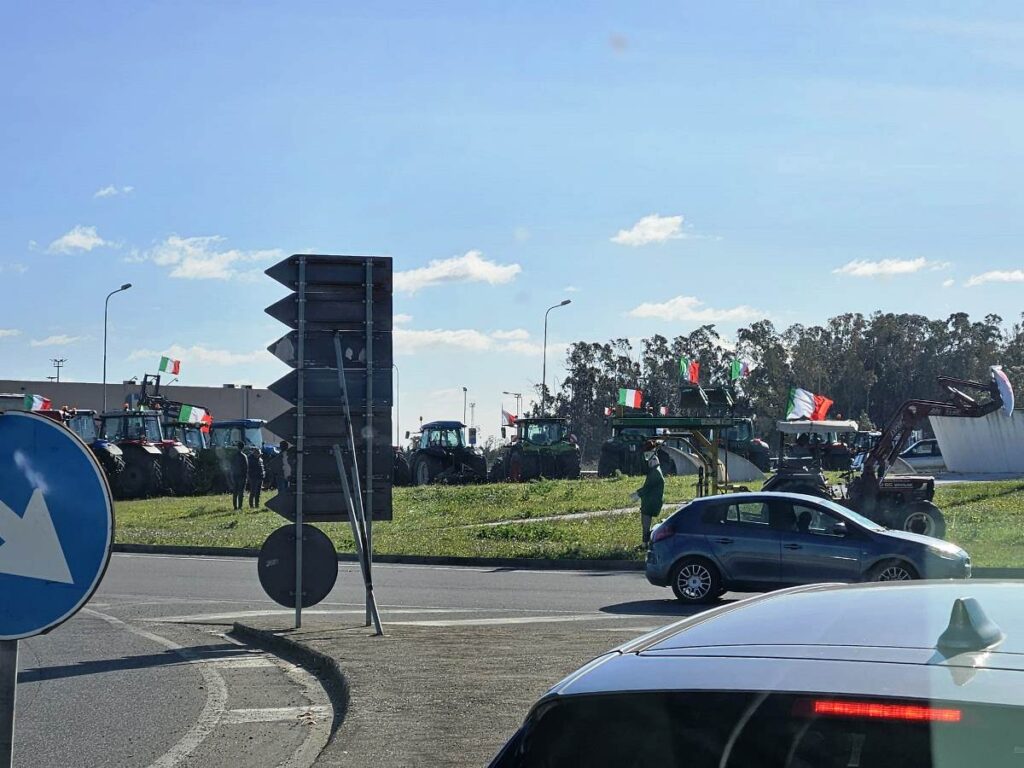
763, 541
139, 436
872, 676
442, 456
83, 423
225, 436
541, 447
925, 454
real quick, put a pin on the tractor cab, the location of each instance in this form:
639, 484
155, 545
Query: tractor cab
442, 434
822, 445
441, 455
542, 432
542, 447
131, 427
227, 434
192, 436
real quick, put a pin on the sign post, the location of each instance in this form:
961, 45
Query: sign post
56, 530
341, 389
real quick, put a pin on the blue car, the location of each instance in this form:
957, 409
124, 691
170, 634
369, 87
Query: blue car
754, 542
920, 675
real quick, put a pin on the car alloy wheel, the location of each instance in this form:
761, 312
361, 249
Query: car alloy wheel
694, 581
894, 573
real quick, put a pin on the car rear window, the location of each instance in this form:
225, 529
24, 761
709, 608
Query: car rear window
712, 729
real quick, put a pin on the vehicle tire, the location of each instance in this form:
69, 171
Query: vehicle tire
607, 464
185, 476
497, 473
922, 517
142, 477
403, 473
424, 471
696, 581
112, 466
892, 570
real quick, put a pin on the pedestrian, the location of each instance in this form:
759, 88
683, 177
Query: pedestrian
652, 494
239, 472
256, 474
285, 475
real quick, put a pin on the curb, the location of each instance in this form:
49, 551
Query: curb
522, 563
322, 666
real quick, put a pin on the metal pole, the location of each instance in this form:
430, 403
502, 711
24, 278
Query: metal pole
465, 396
398, 413
8, 695
544, 375
106, 304
368, 506
300, 442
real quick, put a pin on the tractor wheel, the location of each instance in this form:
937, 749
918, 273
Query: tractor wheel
607, 464
497, 473
921, 517
142, 477
403, 474
183, 476
112, 466
424, 471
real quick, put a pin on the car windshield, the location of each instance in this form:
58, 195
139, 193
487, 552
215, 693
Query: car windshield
445, 438
229, 437
83, 425
545, 433
132, 427
733, 729
739, 433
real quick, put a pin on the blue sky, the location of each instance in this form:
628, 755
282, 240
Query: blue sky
662, 165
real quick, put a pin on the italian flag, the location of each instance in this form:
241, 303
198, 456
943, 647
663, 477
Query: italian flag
806, 405
36, 403
193, 414
689, 369
608, 410
631, 398
170, 366
740, 369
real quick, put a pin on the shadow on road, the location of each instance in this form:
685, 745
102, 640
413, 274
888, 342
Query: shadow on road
166, 658
658, 608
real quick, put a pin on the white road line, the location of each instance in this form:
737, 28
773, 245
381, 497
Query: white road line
216, 695
272, 714
507, 620
201, 617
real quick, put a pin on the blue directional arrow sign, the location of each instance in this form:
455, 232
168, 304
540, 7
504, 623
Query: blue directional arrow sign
56, 524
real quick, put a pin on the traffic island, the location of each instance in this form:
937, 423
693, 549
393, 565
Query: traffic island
439, 695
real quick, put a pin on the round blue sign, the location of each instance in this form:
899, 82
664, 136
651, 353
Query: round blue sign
56, 524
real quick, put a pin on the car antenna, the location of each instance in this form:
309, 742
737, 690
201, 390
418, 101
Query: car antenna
969, 629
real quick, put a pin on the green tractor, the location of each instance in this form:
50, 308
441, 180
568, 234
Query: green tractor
442, 456
541, 448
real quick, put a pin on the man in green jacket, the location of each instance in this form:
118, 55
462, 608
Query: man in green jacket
652, 495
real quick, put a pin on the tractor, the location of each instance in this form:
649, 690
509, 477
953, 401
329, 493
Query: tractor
903, 502
442, 456
140, 438
83, 424
541, 448
225, 437
715, 402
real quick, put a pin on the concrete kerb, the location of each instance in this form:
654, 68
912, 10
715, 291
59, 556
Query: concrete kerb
323, 667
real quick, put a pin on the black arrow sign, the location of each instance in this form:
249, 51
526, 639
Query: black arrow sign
321, 388
329, 310
319, 349
332, 270
328, 506
326, 426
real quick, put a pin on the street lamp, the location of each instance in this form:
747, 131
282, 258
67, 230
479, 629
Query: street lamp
544, 375
106, 301
398, 413
465, 397
519, 399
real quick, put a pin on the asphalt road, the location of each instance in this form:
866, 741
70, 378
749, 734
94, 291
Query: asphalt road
146, 677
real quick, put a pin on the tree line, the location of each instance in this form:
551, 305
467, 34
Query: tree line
868, 365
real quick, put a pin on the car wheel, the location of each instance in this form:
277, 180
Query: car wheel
922, 517
695, 580
892, 570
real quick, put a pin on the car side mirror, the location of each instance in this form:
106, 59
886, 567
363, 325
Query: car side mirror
839, 529
472, 435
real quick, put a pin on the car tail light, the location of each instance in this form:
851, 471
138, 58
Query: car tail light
875, 710
663, 531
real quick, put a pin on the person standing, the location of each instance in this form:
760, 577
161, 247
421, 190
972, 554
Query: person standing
256, 474
652, 494
239, 472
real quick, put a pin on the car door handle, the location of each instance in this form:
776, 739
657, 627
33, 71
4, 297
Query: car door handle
792, 546
724, 541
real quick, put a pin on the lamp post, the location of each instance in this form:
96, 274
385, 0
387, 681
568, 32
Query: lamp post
106, 302
544, 375
398, 413
465, 397
519, 400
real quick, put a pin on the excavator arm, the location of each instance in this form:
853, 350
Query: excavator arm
896, 435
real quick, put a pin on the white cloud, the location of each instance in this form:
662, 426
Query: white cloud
198, 353
517, 334
60, 340
693, 309
409, 341
8, 332
469, 268
651, 229
887, 267
401, 319
78, 239
948, 283
200, 258
997, 276
571, 289
112, 191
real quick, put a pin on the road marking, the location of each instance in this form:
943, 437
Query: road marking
220, 617
216, 695
506, 620
272, 714
246, 662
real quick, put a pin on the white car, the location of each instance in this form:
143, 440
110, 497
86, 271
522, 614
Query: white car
924, 454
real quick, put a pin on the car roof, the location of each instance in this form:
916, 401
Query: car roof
873, 639
756, 496
443, 425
